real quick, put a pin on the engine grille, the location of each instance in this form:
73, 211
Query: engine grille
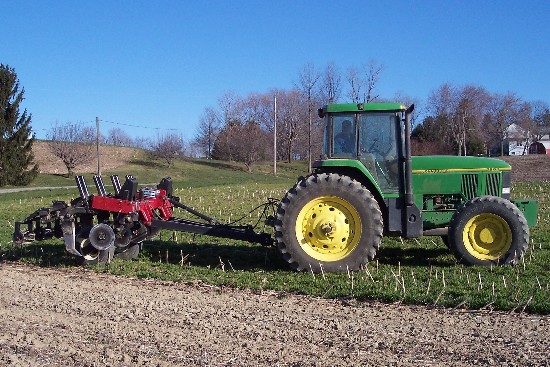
469, 186
493, 184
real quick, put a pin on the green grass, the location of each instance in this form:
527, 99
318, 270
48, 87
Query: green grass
414, 271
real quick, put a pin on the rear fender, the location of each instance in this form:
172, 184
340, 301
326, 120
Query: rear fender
354, 169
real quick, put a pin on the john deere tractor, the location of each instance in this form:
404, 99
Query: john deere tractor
367, 185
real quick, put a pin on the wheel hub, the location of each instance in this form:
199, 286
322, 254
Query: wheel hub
102, 236
328, 228
487, 236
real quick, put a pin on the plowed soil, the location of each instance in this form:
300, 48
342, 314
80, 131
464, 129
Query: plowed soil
529, 168
75, 317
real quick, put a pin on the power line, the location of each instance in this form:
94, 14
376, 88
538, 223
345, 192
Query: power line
139, 126
111, 122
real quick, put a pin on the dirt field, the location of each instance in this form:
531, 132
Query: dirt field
74, 317
529, 168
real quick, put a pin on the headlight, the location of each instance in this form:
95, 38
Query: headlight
506, 184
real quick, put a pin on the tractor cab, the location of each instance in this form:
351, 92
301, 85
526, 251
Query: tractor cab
370, 133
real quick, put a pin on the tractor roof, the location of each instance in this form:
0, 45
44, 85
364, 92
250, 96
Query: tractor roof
356, 107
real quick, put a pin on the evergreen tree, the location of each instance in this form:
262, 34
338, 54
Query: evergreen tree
16, 158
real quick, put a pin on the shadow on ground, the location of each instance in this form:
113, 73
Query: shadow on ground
245, 257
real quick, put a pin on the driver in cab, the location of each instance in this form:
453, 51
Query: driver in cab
344, 141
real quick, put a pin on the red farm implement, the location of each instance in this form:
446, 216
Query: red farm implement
96, 228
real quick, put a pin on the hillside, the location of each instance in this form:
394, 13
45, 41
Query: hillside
531, 168
111, 158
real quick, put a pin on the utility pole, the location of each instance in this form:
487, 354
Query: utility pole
275, 137
309, 138
97, 145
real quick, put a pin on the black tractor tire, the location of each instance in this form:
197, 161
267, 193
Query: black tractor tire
488, 230
128, 252
328, 223
445, 240
91, 255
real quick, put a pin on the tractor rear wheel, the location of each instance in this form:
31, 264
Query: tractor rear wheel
488, 230
328, 222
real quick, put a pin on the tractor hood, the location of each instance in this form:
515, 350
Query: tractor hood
443, 164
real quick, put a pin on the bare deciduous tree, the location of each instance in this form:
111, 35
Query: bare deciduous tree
460, 112
353, 77
408, 101
119, 138
373, 71
331, 86
142, 143
247, 143
369, 82
540, 120
470, 107
73, 144
505, 110
229, 103
168, 147
307, 83
290, 112
209, 127
252, 143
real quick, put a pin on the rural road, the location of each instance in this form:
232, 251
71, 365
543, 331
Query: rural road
76, 317
19, 189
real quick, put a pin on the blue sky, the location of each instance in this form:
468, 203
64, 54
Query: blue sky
161, 63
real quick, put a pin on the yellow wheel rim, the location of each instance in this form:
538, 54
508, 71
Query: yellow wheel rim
487, 236
328, 228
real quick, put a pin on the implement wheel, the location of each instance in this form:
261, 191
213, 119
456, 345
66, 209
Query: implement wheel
91, 255
129, 252
488, 230
328, 222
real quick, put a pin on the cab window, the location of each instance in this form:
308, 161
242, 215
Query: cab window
345, 139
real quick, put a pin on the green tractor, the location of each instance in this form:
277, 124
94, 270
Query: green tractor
367, 185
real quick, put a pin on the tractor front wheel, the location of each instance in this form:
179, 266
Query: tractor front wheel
328, 222
488, 230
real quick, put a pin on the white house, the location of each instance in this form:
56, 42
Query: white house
518, 141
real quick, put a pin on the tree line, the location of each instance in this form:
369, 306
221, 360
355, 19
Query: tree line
458, 120
469, 120
243, 128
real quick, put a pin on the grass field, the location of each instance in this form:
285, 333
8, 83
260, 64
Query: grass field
414, 271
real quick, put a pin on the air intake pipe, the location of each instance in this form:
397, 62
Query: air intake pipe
408, 160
